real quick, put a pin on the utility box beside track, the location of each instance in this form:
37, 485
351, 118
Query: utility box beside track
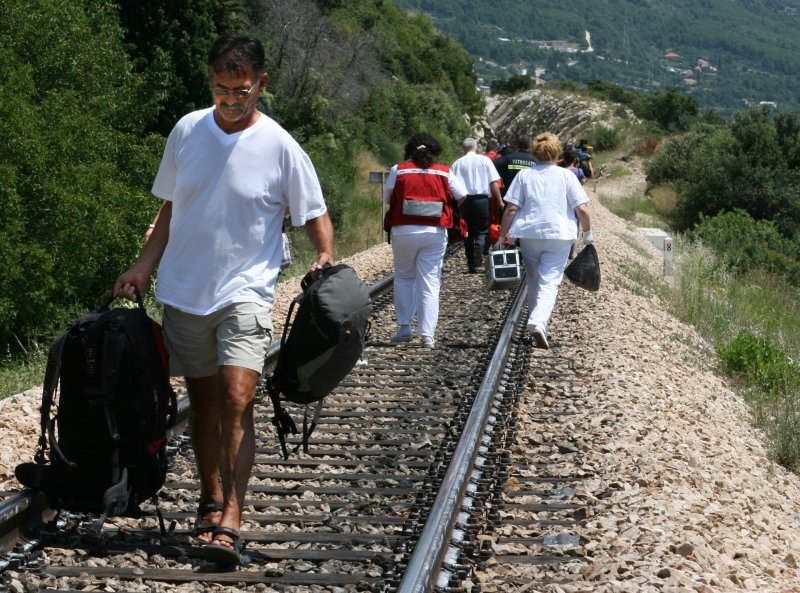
663, 242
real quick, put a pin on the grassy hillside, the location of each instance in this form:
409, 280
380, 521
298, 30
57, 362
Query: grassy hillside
747, 51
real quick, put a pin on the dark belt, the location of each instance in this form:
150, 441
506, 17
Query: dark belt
477, 196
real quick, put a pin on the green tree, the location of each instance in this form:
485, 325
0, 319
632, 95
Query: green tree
362, 71
75, 171
671, 110
512, 85
168, 43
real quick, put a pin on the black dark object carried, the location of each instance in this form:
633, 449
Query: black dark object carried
584, 269
458, 232
107, 426
387, 225
320, 346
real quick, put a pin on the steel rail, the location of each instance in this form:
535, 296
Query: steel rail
431, 545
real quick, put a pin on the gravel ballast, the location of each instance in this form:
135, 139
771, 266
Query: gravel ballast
683, 496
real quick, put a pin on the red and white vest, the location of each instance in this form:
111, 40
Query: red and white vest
422, 196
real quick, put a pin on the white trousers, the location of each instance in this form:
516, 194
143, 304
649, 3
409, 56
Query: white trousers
545, 260
418, 261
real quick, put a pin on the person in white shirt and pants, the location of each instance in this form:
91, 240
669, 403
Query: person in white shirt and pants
481, 179
543, 207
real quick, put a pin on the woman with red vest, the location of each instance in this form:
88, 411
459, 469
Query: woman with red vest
421, 194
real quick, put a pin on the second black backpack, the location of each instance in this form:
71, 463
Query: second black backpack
321, 345
106, 407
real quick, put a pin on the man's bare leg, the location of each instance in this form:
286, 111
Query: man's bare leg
237, 451
204, 424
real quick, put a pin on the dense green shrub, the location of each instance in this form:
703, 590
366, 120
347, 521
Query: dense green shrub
671, 110
604, 138
749, 163
745, 244
611, 92
336, 173
769, 381
758, 361
512, 85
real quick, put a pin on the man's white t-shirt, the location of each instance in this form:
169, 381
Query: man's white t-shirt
547, 196
477, 172
229, 195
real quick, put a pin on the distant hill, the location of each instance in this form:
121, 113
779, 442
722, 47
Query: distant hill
729, 54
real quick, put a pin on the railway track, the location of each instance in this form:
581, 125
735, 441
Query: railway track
415, 480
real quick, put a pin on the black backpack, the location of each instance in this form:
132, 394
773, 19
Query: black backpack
587, 170
320, 346
107, 427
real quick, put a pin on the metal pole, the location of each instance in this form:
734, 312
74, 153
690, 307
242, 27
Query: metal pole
384, 176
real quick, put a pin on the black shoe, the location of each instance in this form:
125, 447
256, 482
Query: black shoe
478, 256
230, 555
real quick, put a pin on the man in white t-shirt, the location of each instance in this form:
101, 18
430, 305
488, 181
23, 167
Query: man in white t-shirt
227, 177
481, 178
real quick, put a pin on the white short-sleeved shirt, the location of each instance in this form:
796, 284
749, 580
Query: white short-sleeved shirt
477, 172
456, 186
547, 196
229, 194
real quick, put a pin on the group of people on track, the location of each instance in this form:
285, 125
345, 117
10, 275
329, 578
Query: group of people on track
532, 190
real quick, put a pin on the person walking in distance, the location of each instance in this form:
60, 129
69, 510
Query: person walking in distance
543, 207
421, 194
512, 163
584, 154
226, 178
481, 179
570, 162
492, 149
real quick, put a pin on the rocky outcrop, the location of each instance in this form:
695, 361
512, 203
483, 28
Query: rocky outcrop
568, 115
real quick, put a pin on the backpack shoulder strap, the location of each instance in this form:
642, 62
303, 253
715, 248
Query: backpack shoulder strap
53, 368
281, 419
113, 349
307, 430
51, 376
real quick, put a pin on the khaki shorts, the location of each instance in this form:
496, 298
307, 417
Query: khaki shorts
237, 335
